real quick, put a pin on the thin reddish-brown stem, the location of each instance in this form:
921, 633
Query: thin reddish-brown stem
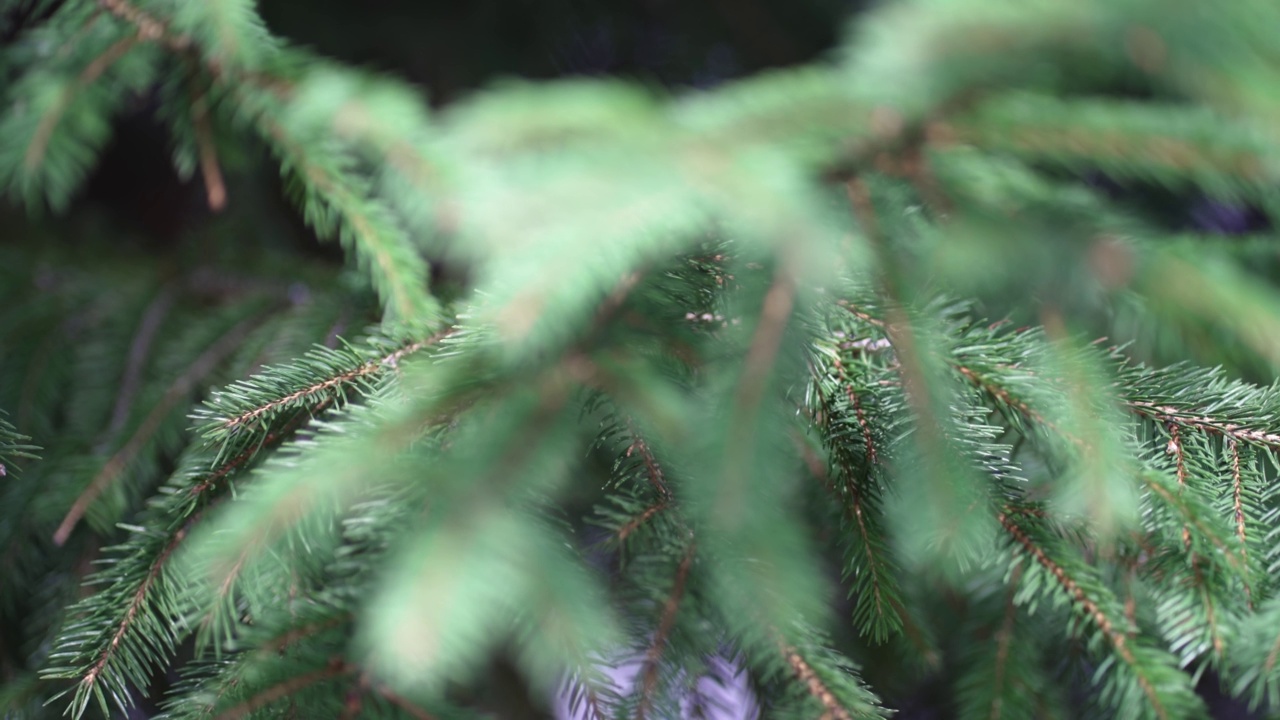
157, 566
636, 522
649, 672
1175, 447
651, 466
1004, 638
44, 131
1189, 419
804, 672
1116, 637
1236, 487
284, 689
214, 187
373, 366
177, 391
135, 606
411, 709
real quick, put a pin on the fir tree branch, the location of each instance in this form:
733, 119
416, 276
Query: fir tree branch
148, 27
150, 323
1189, 419
803, 671
411, 709
649, 671
1215, 635
49, 122
581, 692
136, 604
376, 240
635, 523
1114, 636
650, 463
215, 188
179, 389
336, 667
268, 440
1194, 521
137, 601
1175, 447
1238, 508
323, 387
856, 403
1007, 398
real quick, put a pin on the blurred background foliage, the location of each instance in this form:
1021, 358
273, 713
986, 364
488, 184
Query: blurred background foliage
135, 209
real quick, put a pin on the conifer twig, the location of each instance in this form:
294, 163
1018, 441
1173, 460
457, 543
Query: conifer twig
1165, 413
390, 360
1238, 507
1004, 638
649, 672
135, 606
150, 323
654, 470
215, 188
636, 522
181, 386
148, 27
138, 599
1117, 638
230, 466
804, 672
49, 122
1175, 447
334, 668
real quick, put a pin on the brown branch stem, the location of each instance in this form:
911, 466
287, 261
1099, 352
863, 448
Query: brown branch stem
180, 388
649, 673
1117, 638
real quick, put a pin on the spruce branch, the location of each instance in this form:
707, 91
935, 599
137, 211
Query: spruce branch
148, 27
639, 520
1112, 630
414, 711
832, 710
653, 656
336, 667
89, 682
1175, 448
236, 408
152, 318
49, 121
181, 387
1189, 418
365, 226
215, 187
185, 506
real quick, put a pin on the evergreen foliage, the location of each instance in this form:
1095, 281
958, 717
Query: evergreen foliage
734, 373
